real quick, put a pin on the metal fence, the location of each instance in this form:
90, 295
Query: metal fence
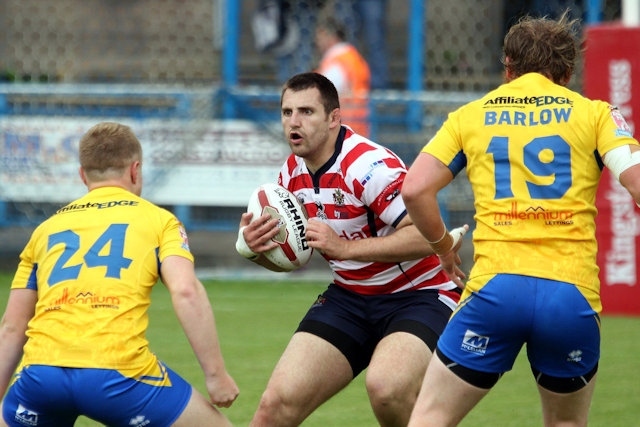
197, 60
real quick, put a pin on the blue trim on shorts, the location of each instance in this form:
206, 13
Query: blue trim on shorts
553, 319
50, 396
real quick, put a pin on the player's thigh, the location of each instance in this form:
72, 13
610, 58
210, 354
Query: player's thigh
412, 321
200, 412
444, 397
309, 371
559, 407
398, 365
343, 319
2, 423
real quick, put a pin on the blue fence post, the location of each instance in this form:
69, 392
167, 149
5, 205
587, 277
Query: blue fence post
594, 11
4, 105
183, 213
3, 214
230, 49
415, 61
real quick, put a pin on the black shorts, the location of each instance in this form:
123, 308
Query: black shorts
355, 323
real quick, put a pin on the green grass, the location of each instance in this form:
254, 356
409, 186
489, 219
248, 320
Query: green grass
256, 319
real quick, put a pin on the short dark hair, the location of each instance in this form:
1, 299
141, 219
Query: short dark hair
303, 81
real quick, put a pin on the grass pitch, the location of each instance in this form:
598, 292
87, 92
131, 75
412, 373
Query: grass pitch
256, 319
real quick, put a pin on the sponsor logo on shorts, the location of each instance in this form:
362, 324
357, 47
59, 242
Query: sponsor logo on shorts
26, 416
139, 421
319, 302
574, 356
474, 343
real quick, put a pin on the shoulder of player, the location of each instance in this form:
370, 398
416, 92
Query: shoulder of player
356, 147
359, 153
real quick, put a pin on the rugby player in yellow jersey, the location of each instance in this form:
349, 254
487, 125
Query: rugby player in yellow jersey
534, 151
77, 309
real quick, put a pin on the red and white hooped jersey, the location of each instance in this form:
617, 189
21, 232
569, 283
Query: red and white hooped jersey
357, 192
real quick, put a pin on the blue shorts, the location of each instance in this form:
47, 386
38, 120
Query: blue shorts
49, 396
356, 323
559, 327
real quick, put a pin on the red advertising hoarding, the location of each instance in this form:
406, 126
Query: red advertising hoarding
612, 73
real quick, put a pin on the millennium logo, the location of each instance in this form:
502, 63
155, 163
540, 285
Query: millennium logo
533, 213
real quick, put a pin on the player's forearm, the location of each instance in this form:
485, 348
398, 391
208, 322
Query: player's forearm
404, 244
423, 210
630, 179
198, 322
12, 341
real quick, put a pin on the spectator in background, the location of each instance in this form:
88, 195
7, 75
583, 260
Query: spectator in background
366, 27
514, 10
285, 29
341, 63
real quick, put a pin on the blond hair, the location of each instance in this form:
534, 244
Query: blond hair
107, 149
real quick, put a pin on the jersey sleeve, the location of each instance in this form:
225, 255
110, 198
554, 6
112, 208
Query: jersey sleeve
25, 276
174, 240
613, 130
378, 182
446, 145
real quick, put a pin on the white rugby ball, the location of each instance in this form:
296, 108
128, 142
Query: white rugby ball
293, 251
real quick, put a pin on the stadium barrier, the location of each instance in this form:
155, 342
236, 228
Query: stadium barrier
202, 159
612, 73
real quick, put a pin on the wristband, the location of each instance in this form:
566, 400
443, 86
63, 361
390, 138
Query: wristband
440, 239
242, 248
444, 245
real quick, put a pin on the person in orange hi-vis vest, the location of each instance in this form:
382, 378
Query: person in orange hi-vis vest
348, 71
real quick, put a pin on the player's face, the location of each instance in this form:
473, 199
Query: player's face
309, 130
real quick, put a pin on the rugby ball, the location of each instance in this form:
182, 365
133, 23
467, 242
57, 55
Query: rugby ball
292, 251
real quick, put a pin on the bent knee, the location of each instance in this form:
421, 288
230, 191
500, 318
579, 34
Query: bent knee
270, 402
385, 390
275, 409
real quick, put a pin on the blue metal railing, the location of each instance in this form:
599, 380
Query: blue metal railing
401, 109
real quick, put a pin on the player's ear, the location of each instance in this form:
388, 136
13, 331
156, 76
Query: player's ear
135, 171
83, 176
335, 116
508, 72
